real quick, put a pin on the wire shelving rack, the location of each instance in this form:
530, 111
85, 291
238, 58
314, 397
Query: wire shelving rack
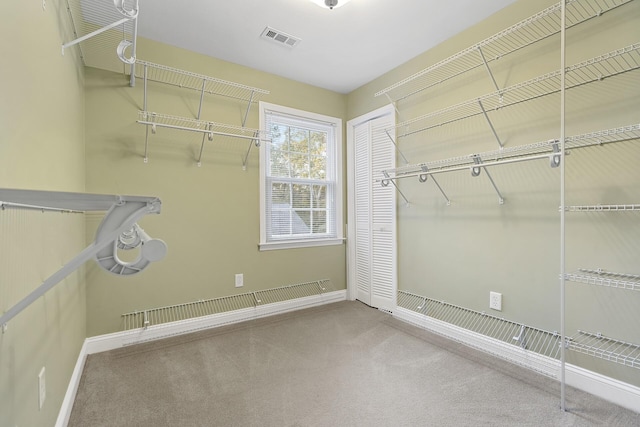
592, 70
204, 85
613, 350
190, 310
535, 28
527, 338
608, 279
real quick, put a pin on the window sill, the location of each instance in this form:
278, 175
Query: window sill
295, 244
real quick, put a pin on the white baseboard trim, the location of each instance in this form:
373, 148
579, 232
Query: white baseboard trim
615, 391
618, 392
135, 336
116, 340
72, 388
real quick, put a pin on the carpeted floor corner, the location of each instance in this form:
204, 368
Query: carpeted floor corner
342, 364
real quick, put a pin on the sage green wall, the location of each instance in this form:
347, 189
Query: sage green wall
459, 253
41, 147
210, 214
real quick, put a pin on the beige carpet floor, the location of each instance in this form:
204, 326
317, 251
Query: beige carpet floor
342, 364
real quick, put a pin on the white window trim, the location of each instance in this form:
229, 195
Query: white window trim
302, 243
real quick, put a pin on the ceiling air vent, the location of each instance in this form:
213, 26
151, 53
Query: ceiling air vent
279, 37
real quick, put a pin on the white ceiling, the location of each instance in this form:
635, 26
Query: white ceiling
341, 49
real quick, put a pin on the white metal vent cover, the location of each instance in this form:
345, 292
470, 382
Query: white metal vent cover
280, 37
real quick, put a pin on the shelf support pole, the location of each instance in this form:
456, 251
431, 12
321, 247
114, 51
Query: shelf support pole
486, 116
385, 182
255, 141
246, 113
404, 159
144, 107
204, 83
205, 135
134, 50
400, 192
441, 191
563, 24
395, 106
486, 65
423, 178
475, 171
94, 33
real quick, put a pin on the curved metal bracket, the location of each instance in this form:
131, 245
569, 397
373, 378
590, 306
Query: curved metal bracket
121, 7
423, 176
123, 213
120, 50
151, 250
475, 170
554, 159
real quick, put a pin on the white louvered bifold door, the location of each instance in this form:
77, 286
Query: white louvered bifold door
363, 184
383, 219
374, 260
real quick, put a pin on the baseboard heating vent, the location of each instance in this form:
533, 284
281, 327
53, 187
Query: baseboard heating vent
173, 313
525, 337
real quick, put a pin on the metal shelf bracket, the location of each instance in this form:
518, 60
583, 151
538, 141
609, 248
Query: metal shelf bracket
385, 182
486, 65
554, 159
486, 116
404, 159
423, 178
475, 171
121, 49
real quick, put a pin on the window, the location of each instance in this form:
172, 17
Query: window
300, 179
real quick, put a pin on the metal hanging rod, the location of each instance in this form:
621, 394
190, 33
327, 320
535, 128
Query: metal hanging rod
597, 345
593, 70
5, 205
605, 278
208, 129
156, 120
537, 27
534, 151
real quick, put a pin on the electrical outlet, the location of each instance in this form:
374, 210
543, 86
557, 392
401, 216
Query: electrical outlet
42, 388
495, 301
239, 280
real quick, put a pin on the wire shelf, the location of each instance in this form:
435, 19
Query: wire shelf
198, 82
603, 208
156, 120
533, 151
610, 349
604, 136
174, 313
595, 69
528, 338
527, 32
605, 278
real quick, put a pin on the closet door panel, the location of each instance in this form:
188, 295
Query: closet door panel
363, 184
383, 215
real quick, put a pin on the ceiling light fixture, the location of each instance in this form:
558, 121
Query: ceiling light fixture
331, 4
